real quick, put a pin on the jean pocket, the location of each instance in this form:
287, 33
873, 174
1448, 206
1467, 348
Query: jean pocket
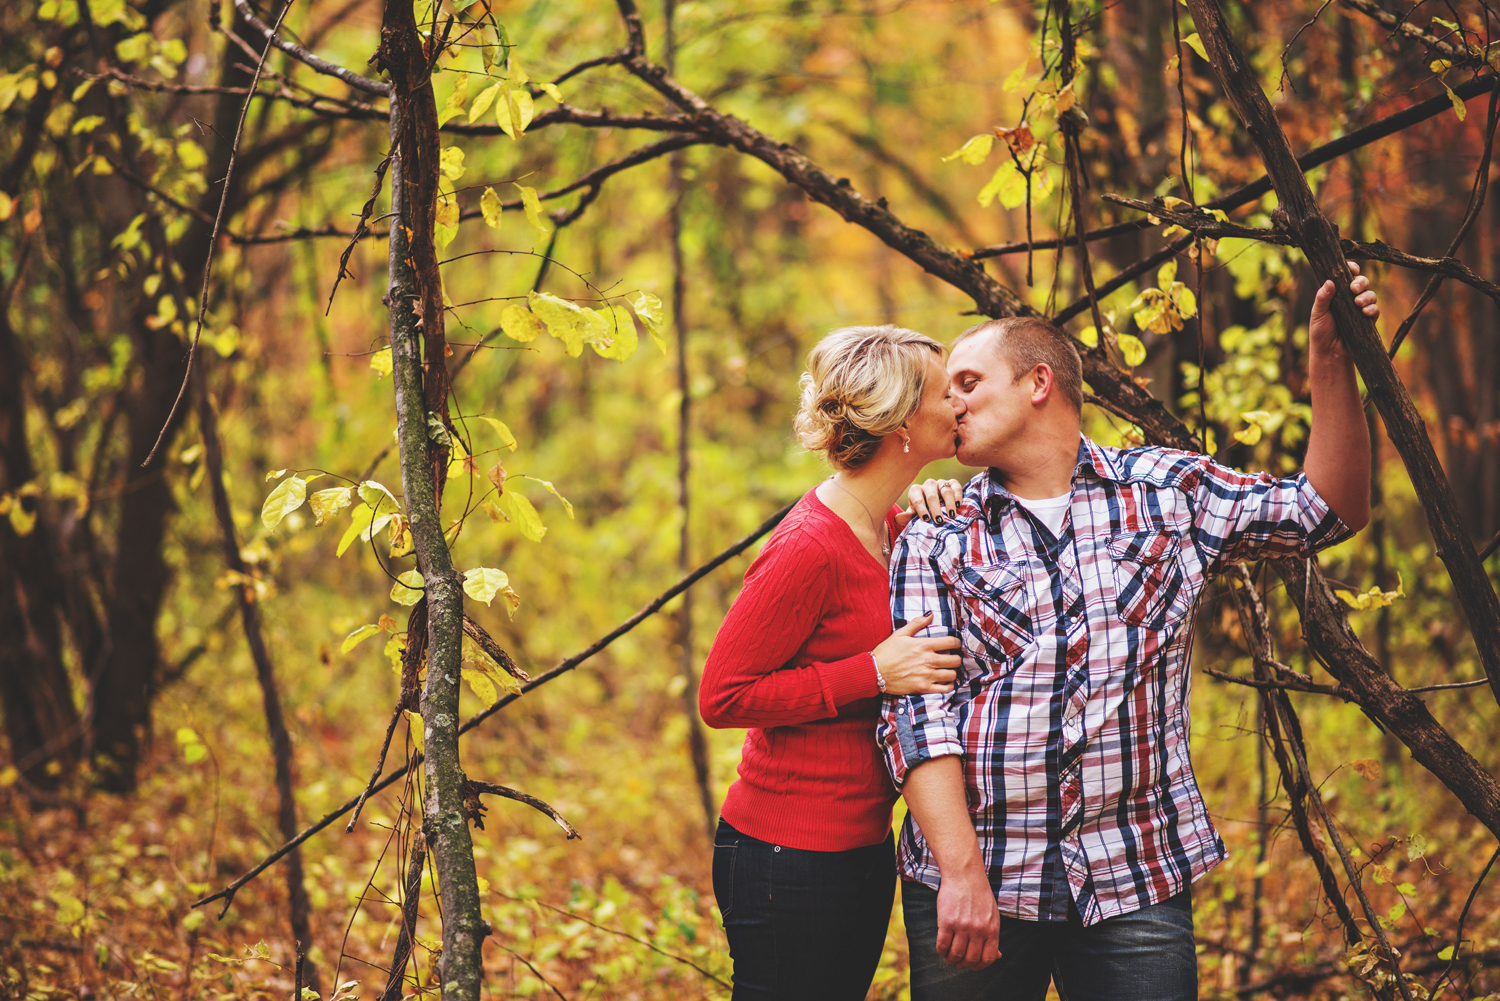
724, 856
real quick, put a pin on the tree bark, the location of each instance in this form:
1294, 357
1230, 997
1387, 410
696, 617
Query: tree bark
1319, 241
415, 301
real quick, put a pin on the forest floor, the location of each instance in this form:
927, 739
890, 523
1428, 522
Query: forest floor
96, 892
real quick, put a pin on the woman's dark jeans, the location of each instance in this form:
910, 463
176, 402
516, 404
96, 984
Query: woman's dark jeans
802, 924
1147, 955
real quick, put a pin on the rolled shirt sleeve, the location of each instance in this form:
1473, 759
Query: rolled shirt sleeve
1244, 516
918, 728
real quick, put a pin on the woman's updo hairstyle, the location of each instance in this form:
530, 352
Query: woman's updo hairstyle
861, 384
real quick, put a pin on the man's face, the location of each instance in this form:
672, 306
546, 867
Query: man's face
998, 406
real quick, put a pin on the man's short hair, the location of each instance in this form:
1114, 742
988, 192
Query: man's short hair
1028, 341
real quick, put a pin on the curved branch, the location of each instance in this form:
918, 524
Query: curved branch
309, 60
475, 787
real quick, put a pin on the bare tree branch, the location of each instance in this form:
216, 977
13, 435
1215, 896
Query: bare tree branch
305, 57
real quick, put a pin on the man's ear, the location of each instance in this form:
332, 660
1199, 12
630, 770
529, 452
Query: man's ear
1042, 384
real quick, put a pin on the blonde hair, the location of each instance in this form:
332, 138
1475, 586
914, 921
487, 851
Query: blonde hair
861, 384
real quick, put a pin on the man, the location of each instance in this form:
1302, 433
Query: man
1054, 820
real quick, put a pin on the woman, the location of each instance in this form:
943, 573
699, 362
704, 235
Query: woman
803, 859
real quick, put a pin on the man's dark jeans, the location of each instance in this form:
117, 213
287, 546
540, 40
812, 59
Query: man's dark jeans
1147, 955
802, 924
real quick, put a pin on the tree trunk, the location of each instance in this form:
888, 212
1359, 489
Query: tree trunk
415, 301
281, 741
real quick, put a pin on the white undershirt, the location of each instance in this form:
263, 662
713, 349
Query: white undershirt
1051, 510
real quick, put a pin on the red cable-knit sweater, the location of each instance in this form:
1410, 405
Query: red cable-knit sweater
792, 662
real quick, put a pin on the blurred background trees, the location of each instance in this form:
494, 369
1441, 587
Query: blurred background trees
122, 668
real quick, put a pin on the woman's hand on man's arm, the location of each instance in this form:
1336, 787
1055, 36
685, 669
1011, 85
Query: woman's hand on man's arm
917, 665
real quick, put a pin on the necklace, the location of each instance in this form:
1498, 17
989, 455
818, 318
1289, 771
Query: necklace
882, 533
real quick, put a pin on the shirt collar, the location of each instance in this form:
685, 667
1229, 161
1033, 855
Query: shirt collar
1092, 459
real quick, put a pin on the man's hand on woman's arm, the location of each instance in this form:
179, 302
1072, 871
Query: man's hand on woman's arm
968, 920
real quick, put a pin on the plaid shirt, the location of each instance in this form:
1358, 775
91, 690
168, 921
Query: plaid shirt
1071, 708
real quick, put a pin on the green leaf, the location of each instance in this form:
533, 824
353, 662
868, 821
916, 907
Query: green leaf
357, 637
489, 206
437, 431
1008, 184
533, 207
407, 590
1408, 889
1196, 44
518, 510
194, 753
1445, 953
520, 324
286, 498
327, 503
1089, 336
1133, 350
1167, 274
506, 438
1416, 847
974, 151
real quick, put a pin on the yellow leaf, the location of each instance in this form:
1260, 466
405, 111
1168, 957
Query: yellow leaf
451, 163
1167, 274
1195, 43
327, 503
519, 324
357, 637
502, 112
553, 491
519, 511
483, 583
974, 151
378, 497
533, 207
621, 340
1367, 768
550, 89
1440, 66
483, 101
401, 541
1089, 336
565, 320
1008, 184
407, 590
521, 109
1459, 108
286, 498
479, 684
414, 721
363, 524
506, 438
1184, 299
476, 660
1133, 350
1249, 435
1065, 98
381, 362
648, 308
394, 648
274, 474
489, 206
7, 206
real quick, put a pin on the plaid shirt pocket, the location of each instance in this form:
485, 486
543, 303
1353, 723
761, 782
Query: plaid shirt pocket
996, 624
1148, 576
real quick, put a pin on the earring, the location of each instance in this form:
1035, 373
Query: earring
907, 439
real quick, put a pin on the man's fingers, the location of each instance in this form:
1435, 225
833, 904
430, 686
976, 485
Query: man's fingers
902, 518
991, 952
1353, 267
944, 941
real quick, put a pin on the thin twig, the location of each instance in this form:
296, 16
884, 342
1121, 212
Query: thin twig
359, 231
305, 57
227, 894
213, 240
1458, 941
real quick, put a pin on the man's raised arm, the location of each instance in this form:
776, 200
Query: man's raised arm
1338, 446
